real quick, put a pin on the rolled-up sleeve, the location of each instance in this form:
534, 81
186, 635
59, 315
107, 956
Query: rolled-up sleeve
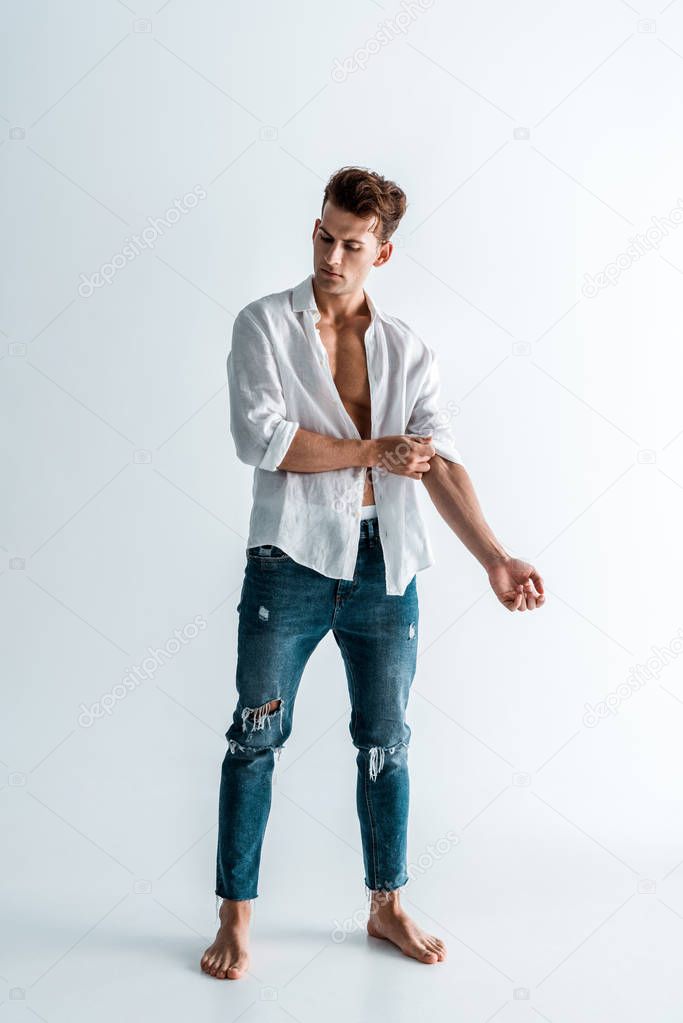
428, 415
258, 416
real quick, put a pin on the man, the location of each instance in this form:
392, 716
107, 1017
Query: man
336, 405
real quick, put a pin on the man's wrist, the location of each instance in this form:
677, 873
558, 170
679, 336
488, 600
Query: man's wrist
368, 454
495, 558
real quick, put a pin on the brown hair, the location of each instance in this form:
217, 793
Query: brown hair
364, 193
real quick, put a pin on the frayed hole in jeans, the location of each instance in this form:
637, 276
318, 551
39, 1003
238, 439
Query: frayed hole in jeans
262, 717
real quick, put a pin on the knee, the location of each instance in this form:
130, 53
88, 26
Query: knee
262, 717
376, 756
261, 727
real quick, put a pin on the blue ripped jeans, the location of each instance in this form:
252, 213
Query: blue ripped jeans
285, 610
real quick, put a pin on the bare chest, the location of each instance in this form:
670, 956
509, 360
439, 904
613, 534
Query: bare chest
346, 355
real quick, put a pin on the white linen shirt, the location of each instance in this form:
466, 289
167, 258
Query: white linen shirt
279, 379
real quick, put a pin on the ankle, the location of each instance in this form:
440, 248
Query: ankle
385, 903
235, 909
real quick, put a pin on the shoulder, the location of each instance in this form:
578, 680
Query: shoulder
267, 309
414, 349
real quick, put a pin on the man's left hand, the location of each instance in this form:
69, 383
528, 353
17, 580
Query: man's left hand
517, 584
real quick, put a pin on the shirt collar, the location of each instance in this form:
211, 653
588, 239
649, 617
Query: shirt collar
303, 297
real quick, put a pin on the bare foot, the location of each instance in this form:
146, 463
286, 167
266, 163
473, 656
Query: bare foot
228, 957
390, 921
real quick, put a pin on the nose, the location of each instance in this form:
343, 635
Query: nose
333, 257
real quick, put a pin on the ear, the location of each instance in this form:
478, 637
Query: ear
384, 254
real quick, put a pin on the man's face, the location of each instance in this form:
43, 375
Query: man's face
344, 244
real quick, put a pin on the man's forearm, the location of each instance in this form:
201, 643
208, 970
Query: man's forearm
317, 452
451, 490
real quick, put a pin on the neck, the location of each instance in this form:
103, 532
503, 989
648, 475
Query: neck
341, 308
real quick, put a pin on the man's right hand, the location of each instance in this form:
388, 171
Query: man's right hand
403, 454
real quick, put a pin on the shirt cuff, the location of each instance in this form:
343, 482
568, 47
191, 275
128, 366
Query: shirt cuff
447, 450
279, 444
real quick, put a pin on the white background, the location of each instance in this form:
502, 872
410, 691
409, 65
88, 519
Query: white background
533, 141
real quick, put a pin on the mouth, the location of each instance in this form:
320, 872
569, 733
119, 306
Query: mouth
329, 272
